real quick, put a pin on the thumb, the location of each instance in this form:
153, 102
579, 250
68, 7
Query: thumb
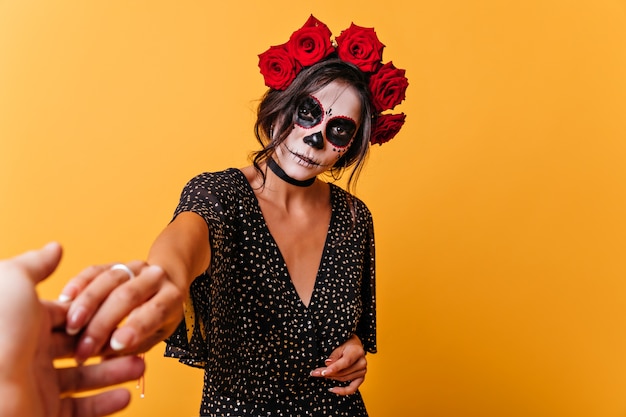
334, 356
37, 264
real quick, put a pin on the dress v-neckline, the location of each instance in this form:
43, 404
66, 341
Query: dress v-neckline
325, 248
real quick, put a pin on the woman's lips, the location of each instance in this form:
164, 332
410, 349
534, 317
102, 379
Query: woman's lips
304, 159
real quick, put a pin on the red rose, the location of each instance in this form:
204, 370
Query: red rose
310, 43
385, 127
278, 67
388, 87
361, 47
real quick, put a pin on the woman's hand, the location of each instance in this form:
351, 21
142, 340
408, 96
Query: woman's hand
149, 304
346, 363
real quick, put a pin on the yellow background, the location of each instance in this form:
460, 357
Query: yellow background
499, 209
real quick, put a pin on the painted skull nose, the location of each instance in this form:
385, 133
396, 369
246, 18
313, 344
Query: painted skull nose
316, 140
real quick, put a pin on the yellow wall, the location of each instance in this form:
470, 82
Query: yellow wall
499, 209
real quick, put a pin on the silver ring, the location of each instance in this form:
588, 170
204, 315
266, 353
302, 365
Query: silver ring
124, 268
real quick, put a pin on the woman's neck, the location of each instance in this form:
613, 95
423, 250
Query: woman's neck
278, 171
282, 193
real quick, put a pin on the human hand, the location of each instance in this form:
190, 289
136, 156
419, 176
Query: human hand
30, 385
346, 363
56, 399
119, 315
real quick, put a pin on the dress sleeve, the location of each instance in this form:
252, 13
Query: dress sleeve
366, 328
189, 342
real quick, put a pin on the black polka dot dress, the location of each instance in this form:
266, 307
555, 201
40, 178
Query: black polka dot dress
245, 324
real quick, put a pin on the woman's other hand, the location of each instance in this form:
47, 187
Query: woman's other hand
346, 363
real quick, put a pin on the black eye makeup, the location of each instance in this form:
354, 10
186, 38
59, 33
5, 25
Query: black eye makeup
339, 130
309, 113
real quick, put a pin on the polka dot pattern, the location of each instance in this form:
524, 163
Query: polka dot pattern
244, 321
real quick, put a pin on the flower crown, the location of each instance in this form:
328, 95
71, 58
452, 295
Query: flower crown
357, 45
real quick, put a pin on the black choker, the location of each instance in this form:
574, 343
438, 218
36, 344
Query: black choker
283, 175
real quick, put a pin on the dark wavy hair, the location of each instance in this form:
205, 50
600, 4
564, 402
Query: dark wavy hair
276, 112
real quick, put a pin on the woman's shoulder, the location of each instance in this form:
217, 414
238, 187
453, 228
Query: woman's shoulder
228, 174
215, 180
227, 185
349, 199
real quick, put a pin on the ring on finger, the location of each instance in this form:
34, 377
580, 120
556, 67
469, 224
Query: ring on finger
122, 267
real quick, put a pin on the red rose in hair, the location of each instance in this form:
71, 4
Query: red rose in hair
385, 127
388, 87
360, 46
310, 43
278, 67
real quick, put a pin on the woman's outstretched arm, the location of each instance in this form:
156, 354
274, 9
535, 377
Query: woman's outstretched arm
120, 315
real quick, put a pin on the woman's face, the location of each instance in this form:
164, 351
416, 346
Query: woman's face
324, 126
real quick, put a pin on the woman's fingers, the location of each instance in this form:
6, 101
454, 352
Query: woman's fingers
350, 389
151, 322
150, 306
345, 368
347, 363
343, 375
107, 301
93, 286
80, 282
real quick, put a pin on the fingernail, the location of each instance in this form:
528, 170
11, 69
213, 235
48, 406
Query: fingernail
85, 349
64, 298
68, 294
323, 373
116, 345
155, 268
75, 322
328, 360
122, 338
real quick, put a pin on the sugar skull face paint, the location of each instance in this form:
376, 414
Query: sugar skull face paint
325, 125
338, 130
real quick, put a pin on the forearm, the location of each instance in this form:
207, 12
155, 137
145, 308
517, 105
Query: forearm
182, 249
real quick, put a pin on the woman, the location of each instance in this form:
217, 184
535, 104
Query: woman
275, 267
